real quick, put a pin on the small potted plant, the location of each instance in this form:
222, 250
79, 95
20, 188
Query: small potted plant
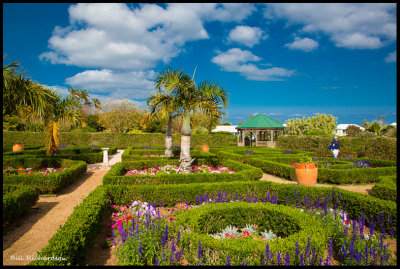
306, 171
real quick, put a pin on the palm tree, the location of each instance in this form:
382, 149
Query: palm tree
185, 98
96, 103
20, 93
67, 108
164, 104
207, 97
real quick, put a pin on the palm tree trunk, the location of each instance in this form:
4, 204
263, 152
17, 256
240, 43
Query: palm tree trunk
185, 165
169, 139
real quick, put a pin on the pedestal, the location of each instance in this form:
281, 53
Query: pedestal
105, 156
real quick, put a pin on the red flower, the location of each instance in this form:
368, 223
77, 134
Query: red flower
227, 235
128, 217
246, 234
171, 219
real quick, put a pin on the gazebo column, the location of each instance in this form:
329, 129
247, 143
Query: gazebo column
256, 133
272, 136
243, 135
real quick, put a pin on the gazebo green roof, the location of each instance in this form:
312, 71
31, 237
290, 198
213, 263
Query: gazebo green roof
260, 121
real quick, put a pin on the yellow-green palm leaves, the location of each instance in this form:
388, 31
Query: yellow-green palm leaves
67, 108
19, 92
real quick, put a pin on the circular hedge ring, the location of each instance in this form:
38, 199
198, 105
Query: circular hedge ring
291, 224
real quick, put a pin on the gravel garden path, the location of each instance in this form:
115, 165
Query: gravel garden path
28, 235
364, 189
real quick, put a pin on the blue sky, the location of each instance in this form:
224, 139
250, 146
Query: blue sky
283, 60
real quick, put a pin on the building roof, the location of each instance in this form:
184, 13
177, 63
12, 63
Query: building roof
344, 126
225, 128
393, 124
260, 121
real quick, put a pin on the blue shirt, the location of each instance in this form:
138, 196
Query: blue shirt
335, 145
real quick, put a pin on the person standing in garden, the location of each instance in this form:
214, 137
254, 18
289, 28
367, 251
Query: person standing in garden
335, 147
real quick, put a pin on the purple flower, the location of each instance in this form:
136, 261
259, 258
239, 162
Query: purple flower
228, 261
199, 252
287, 259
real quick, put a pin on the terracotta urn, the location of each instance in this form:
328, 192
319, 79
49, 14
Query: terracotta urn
306, 173
205, 148
18, 147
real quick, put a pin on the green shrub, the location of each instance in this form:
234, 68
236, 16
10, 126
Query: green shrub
72, 240
386, 188
120, 140
87, 154
134, 153
116, 175
45, 183
338, 174
8, 147
287, 222
171, 194
17, 200
376, 148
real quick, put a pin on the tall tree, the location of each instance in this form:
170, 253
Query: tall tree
164, 103
207, 97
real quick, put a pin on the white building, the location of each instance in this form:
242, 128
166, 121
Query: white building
226, 128
394, 124
341, 129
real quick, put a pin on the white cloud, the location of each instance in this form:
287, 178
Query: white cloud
246, 35
113, 35
236, 60
392, 57
304, 44
131, 84
61, 89
353, 26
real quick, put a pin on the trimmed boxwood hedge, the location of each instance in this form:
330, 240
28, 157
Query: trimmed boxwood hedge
170, 194
386, 188
120, 140
71, 241
8, 147
384, 148
279, 166
285, 221
45, 183
116, 174
87, 154
17, 200
134, 154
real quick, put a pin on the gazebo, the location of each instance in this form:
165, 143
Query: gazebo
259, 126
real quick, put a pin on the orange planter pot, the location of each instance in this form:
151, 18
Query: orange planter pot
18, 147
306, 174
205, 148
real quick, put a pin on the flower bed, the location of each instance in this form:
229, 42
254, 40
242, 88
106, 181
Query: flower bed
117, 174
174, 169
8, 171
159, 239
72, 240
69, 171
